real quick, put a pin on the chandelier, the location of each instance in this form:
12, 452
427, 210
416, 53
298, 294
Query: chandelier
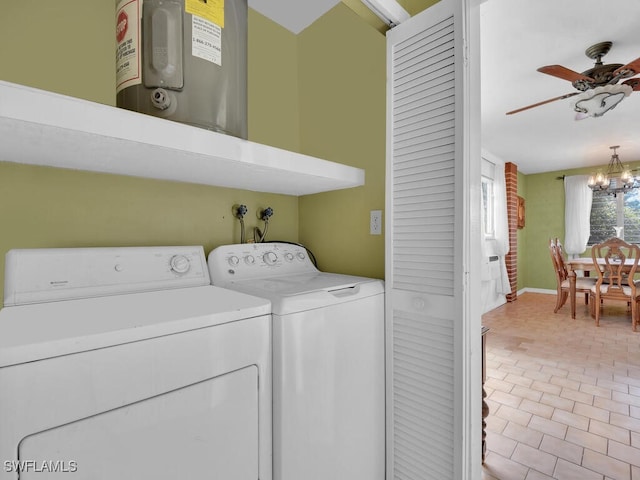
618, 179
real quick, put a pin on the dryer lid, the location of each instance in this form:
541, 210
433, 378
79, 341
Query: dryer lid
44, 330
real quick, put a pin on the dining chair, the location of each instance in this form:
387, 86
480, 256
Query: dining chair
617, 262
583, 284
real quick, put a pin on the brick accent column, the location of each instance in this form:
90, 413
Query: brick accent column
511, 260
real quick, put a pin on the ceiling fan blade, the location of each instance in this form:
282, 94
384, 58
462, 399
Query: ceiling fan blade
561, 97
633, 83
633, 66
564, 73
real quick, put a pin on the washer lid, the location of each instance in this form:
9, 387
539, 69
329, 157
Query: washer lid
44, 330
307, 291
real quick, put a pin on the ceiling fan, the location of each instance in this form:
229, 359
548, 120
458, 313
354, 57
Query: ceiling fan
594, 80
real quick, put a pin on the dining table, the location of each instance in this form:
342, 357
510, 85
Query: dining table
586, 265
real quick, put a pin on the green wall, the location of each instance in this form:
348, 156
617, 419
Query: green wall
320, 93
544, 220
544, 195
273, 92
67, 47
50, 207
342, 109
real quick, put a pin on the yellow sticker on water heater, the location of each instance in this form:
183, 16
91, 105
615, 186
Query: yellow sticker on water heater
212, 10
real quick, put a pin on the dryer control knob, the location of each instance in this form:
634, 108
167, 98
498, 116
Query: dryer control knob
180, 264
270, 258
233, 260
249, 260
301, 256
289, 257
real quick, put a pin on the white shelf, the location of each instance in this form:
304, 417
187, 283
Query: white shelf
43, 128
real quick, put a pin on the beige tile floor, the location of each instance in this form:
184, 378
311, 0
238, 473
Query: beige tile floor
564, 395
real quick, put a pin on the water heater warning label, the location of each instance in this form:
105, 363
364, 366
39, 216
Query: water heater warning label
212, 10
128, 58
206, 40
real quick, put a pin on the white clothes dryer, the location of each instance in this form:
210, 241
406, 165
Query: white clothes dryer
328, 360
125, 363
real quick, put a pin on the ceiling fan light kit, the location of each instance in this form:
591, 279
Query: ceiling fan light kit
598, 88
618, 178
600, 100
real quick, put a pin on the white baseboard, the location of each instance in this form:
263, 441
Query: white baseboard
537, 290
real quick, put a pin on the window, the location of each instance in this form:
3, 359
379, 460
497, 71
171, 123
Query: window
488, 210
608, 212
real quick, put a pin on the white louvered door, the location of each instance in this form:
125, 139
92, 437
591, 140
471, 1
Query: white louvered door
433, 325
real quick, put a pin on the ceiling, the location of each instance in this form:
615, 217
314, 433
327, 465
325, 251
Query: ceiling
517, 37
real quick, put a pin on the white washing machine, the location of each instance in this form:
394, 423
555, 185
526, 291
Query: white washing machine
125, 363
328, 360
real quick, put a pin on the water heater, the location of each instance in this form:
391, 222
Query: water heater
184, 60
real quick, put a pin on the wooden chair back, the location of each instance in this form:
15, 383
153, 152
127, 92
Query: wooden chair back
613, 269
562, 266
557, 258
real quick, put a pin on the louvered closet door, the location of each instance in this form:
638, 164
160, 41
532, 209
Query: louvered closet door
429, 368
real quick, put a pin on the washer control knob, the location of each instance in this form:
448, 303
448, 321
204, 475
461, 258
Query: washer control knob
270, 258
118, 267
233, 260
249, 260
180, 264
301, 256
289, 257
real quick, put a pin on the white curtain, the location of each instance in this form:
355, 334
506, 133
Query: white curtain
577, 212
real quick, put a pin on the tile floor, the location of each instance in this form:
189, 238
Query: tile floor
564, 395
